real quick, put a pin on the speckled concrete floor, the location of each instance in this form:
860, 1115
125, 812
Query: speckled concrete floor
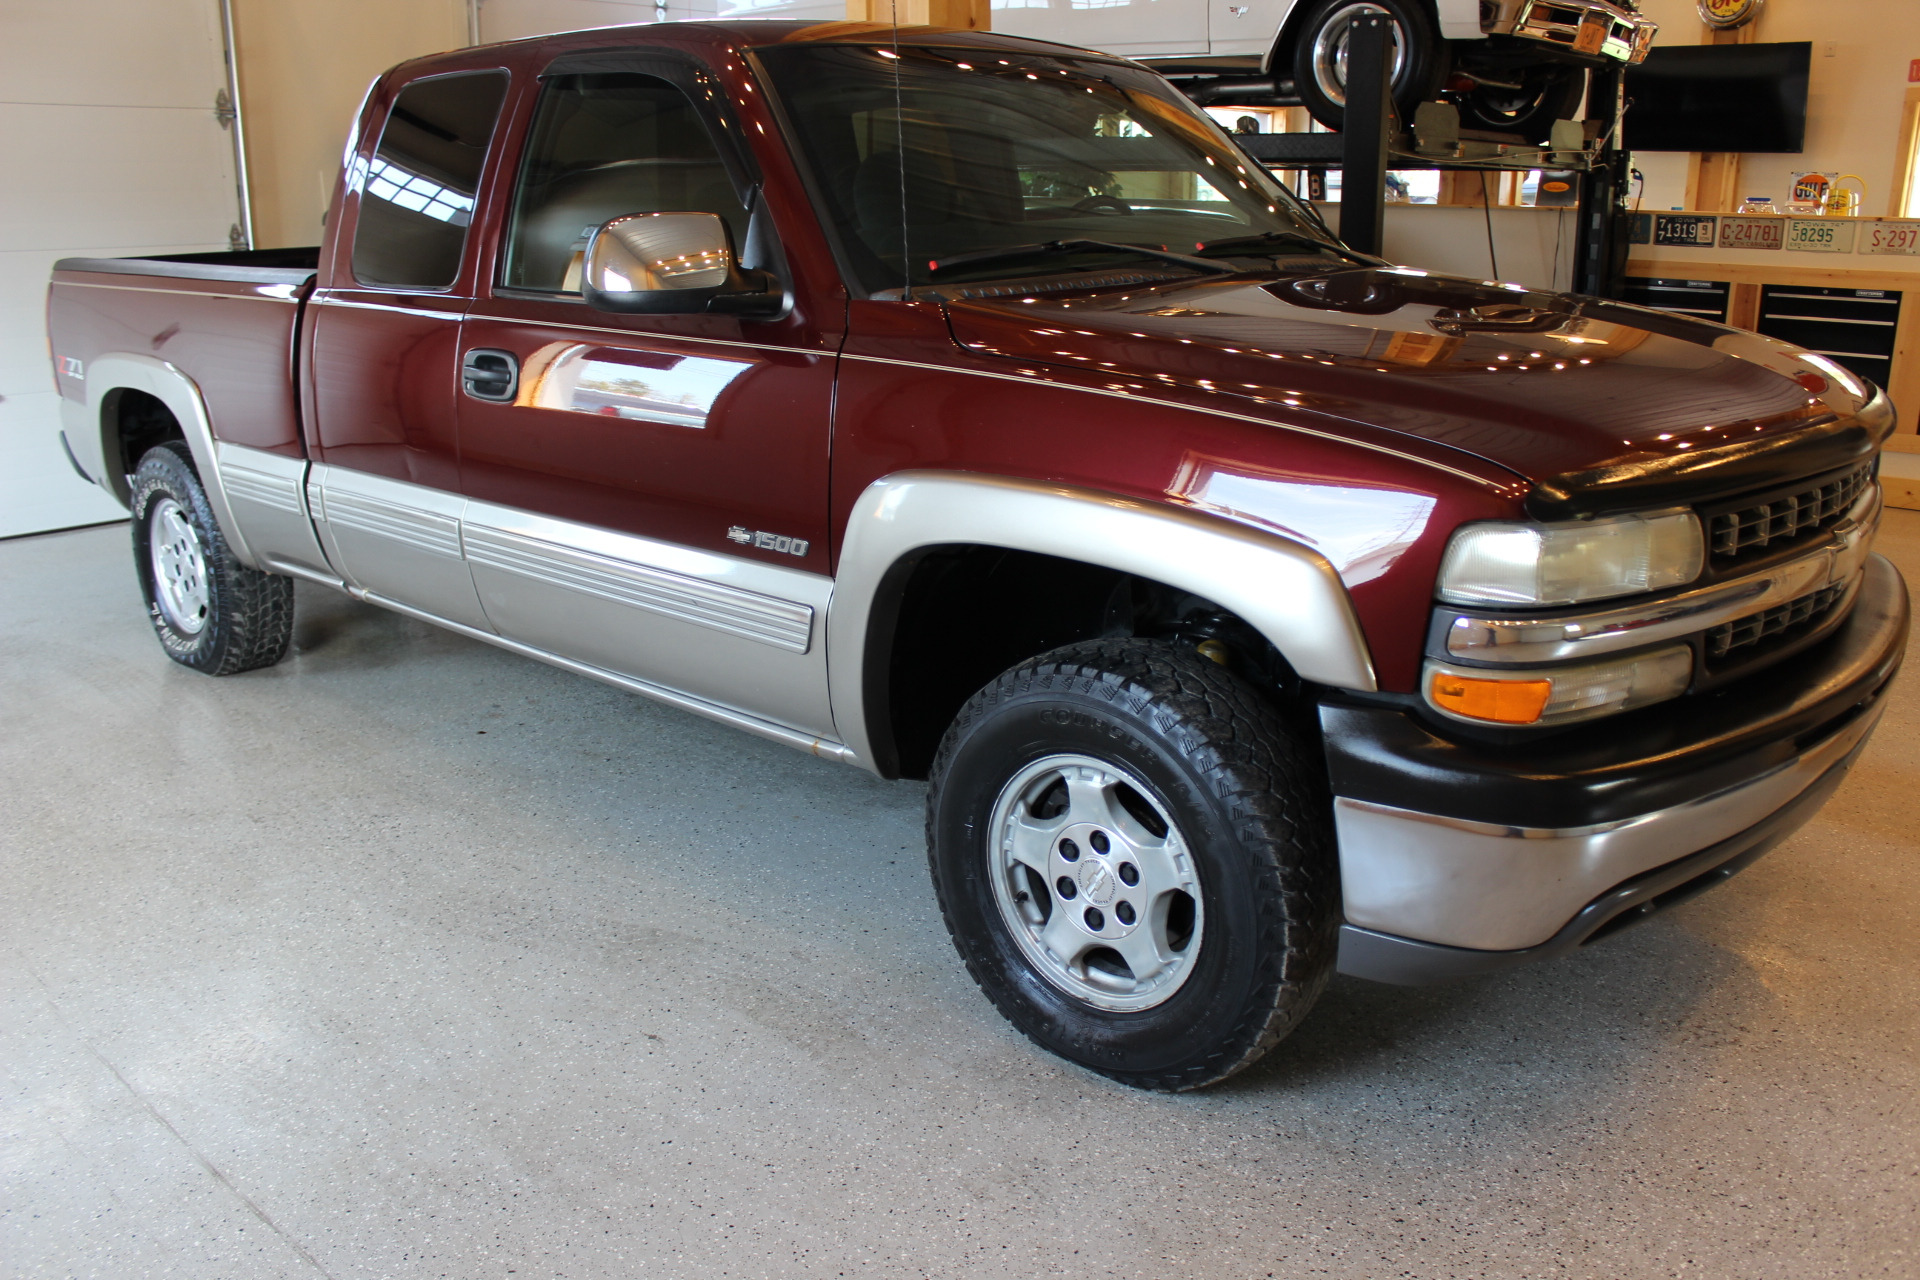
412, 958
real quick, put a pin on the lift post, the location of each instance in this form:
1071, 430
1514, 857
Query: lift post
1368, 129
1375, 141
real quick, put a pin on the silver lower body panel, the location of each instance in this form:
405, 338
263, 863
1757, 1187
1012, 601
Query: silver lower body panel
1461, 884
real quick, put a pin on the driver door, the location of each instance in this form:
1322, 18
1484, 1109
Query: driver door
647, 494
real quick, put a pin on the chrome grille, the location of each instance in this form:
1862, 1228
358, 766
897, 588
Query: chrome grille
1810, 608
1730, 533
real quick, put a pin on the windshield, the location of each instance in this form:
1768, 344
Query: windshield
923, 155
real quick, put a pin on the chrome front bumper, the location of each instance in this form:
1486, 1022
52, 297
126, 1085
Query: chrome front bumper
1592, 28
1492, 888
1429, 896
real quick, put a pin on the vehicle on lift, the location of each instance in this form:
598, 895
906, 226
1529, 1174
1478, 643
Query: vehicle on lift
1511, 67
966, 407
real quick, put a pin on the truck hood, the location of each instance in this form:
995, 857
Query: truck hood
1601, 405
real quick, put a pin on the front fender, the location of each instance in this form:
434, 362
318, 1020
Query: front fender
1283, 589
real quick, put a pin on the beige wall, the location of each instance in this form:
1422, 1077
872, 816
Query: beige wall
1853, 102
303, 69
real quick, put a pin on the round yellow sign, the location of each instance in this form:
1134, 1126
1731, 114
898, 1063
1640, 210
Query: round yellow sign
1729, 13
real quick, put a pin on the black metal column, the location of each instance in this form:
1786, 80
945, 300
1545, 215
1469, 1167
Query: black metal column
1601, 238
1363, 177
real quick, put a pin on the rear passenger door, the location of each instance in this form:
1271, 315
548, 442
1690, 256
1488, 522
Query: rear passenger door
648, 494
385, 335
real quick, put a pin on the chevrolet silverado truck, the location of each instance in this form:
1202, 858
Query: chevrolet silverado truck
967, 408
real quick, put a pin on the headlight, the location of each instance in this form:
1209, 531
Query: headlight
1576, 560
1558, 695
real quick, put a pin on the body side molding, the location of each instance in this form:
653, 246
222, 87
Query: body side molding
1286, 591
783, 734
268, 495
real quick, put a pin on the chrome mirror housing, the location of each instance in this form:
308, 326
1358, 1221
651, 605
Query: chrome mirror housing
659, 263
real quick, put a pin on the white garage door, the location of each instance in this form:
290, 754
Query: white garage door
110, 147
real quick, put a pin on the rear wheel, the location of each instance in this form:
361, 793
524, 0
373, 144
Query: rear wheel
1420, 57
210, 611
1133, 854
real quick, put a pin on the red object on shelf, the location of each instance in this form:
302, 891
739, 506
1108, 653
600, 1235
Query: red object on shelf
1913, 71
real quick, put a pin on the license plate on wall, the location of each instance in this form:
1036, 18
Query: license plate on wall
1891, 237
1820, 235
1752, 233
1683, 228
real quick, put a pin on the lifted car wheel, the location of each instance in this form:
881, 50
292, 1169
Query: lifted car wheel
211, 612
1544, 94
1319, 59
1133, 854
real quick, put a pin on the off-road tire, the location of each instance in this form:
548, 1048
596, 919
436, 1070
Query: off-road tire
1248, 792
247, 618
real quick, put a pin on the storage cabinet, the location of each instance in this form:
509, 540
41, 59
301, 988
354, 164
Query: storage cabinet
1706, 299
1853, 327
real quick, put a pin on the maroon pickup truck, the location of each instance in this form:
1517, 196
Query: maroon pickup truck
969, 408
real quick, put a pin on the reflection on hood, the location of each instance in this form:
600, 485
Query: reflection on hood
1543, 384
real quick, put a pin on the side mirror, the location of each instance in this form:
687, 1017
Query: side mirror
671, 264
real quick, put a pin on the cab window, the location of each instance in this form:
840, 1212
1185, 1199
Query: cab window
417, 191
602, 146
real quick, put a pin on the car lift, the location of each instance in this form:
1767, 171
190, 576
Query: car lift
1375, 140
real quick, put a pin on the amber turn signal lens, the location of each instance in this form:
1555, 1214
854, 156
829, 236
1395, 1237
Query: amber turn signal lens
1498, 701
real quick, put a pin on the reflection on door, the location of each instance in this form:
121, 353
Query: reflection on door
614, 382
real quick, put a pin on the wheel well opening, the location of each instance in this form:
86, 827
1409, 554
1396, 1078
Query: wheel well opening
134, 422
959, 616
1279, 61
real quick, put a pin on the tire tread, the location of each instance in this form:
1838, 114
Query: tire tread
253, 620
1261, 774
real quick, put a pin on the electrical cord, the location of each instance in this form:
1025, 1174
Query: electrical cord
1486, 205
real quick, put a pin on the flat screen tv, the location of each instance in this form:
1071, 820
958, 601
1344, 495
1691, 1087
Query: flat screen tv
1719, 97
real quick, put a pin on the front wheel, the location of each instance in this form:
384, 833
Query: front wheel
211, 612
1133, 853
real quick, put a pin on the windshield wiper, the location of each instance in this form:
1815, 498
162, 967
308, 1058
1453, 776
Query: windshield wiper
1075, 246
1272, 238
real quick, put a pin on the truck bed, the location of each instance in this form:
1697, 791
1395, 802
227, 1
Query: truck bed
229, 321
250, 266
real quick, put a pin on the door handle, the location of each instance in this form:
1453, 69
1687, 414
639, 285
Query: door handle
488, 374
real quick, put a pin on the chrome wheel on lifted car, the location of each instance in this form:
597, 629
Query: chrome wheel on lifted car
1133, 852
1320, 56
211, 612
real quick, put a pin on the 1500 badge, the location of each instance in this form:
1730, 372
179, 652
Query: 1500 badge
765, 541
